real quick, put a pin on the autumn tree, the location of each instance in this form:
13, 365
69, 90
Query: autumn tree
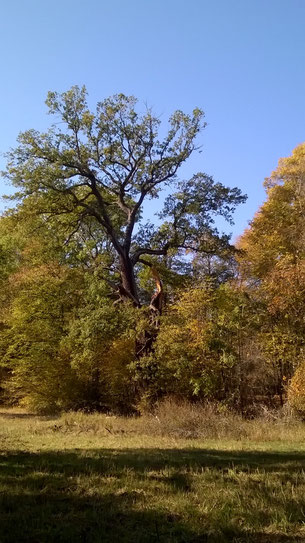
205, 349
63, 342
273, 266
85, 243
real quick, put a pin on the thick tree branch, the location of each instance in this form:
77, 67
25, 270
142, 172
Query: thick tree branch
148, 251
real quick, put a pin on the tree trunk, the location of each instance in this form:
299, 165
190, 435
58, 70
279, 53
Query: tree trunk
128, 287
128, 290
145, 345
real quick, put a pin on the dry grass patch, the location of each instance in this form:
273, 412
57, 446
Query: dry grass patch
187, 421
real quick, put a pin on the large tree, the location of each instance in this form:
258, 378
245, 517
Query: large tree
100, 169
273, 264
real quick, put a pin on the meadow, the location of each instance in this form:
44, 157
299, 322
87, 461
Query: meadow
181, 475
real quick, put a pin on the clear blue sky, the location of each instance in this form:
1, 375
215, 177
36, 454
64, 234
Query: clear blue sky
241, 61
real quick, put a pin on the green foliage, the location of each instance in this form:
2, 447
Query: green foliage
202, 347
43, 298
79, 325
64, 343
101, 341
97, 171
74, 246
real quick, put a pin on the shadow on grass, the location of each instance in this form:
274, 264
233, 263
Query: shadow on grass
85, 496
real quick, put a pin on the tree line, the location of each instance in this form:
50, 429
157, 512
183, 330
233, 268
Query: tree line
104, 308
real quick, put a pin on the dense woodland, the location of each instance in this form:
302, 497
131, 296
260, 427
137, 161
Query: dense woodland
103, 307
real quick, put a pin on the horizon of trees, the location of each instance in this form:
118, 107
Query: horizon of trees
100, 310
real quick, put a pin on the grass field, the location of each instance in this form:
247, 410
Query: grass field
92, 478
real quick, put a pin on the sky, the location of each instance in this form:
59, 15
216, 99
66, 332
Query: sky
241, 61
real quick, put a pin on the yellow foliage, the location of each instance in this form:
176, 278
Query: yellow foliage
296, 391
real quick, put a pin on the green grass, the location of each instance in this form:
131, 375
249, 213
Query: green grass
90, 478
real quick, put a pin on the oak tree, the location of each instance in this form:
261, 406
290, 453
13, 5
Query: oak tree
103, 167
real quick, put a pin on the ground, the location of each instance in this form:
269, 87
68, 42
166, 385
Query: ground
80, 479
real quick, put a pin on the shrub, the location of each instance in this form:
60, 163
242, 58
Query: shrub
296, 391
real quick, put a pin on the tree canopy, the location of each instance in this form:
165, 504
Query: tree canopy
103, 306
98, 170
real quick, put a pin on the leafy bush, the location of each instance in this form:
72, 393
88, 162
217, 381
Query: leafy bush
296, 391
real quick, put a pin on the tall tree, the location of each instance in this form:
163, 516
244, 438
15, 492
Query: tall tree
273, 264
105, 166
